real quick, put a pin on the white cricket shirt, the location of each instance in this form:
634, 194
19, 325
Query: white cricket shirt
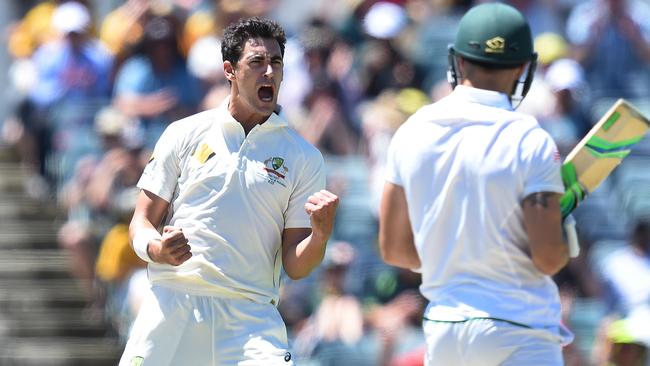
233, 195
466, 163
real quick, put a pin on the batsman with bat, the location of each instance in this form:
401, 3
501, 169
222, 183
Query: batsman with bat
472, 201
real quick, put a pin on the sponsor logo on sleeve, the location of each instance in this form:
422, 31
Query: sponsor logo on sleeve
203, 153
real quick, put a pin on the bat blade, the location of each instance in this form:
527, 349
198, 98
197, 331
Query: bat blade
600, 152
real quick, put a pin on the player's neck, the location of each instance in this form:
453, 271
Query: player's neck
489, 85
246, 117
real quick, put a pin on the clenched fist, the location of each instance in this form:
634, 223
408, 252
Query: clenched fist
171, 249
321, 207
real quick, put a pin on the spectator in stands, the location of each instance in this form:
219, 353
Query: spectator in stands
154, 84
94, 196
324, 125
75, 66
383, 63
343, 331
543, 16
612, 41
324, 116
204, 63
380, 118
32, 30
568, 121
559, 95
397, 325
540, 102
72, 78
630, 261
337, 323
625, 335
120, 272
122, 28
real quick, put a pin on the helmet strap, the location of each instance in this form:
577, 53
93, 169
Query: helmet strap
532, 66
452, 73
527, 82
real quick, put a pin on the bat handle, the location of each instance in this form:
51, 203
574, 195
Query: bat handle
569, 226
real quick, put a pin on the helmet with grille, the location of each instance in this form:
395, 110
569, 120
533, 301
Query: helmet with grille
494, 35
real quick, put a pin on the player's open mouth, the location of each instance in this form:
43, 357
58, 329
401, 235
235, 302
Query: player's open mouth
265, 93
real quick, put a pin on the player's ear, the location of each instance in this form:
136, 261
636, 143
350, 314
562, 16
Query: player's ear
520, 70
229, 70
460, 63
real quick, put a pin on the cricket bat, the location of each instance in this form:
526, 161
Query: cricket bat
600, 151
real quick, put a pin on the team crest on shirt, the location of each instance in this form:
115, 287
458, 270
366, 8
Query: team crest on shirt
137, 361
276, 170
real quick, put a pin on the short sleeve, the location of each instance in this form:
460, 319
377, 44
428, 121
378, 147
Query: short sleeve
48, 89
541, 163
160, 176
311, 180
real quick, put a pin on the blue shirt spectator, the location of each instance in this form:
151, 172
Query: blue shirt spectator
75, 66
613, 42
155, 85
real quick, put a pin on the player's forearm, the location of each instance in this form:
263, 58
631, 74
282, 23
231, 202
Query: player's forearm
139, 224
396, 243
148, 214
141, 233
304, 248
543, 224
300, 259
550, 262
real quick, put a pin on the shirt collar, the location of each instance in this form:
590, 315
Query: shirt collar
274, 119
482, 96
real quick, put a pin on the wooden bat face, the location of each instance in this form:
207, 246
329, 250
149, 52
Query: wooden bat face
600, 151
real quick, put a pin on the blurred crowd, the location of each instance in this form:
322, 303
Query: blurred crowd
94, 83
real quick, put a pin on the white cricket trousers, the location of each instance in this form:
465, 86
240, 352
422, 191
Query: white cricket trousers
488, 342
177, 329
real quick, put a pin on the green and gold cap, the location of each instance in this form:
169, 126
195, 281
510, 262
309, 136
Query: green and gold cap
494, 33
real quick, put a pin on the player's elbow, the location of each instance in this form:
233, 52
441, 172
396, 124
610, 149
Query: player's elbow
134, 225
388, 258
295, 274
388, 255
399, 257
551, 263
299, 269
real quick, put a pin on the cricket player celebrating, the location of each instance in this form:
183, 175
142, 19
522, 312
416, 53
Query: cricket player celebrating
240, 195
472, 202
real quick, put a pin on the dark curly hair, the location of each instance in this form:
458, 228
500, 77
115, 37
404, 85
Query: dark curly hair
236, 35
